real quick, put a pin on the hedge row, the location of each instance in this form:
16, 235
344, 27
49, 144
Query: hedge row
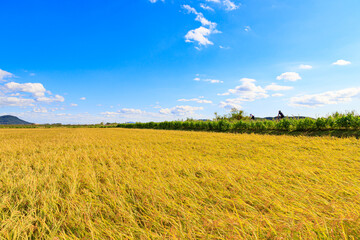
348, 121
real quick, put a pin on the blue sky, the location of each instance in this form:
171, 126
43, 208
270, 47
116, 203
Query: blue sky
140, 60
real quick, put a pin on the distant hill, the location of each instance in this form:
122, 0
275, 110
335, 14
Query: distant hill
12, 120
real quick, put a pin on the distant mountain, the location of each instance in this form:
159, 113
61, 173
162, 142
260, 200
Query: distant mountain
12, 120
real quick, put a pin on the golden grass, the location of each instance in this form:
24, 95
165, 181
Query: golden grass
148, 184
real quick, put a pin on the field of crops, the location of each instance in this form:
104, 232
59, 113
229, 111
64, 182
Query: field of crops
84, 183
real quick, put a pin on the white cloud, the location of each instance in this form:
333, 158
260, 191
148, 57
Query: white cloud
57, 98
305, 67
206, 7
246, 92
247, 29
83, 98
4, 75
231, 103
342, 62
180, 110
225, 48
73, 105
209, 80
16, 102
154, 1
201, 34
326, 98
198, 100
37, 89
277, 95
275, 87
289, 76
228, 4
213, 81
126, 111
223, 94
131, 111
40, 110
110, 113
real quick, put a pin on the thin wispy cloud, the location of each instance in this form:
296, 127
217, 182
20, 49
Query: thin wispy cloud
276, 87
4, 75
180, 110
209, 80
197, 100
227, 4
206, 7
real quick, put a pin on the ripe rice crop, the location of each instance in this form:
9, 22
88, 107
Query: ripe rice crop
152, 184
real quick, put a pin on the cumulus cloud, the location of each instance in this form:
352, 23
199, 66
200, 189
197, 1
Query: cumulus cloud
83, 98
201, 34
342, 62
4, 75
326, 98
275, 87
289, 76
73, 105
37, 89
180, 110
16, 102
277, 95
246, 92
231, 103
305, 67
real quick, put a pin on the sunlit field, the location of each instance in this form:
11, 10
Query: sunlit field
154, 184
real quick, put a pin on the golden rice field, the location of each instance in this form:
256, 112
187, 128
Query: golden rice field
151, 184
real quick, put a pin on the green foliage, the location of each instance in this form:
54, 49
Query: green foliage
336, 121
234, 115
235, 122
